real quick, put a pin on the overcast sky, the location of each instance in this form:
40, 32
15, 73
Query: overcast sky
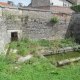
25, 2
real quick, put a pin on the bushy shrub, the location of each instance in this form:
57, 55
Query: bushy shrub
76, 8
54, 19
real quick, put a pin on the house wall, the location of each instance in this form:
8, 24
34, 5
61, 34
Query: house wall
75, 2
60, 3
36, 3
78, 1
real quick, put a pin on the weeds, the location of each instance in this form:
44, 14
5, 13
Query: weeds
26, 46
29, 70
54, 19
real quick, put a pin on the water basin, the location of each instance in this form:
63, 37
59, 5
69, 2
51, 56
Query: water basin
58, 57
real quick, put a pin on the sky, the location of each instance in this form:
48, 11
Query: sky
25, 2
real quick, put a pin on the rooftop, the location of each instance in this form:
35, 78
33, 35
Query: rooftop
4, 4
61, 9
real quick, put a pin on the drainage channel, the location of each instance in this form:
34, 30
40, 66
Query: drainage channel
64, 58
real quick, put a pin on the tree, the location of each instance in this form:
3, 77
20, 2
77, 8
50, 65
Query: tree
20, 4
10, 2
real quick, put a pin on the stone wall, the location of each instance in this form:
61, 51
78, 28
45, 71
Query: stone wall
37, 13
40, 27
13, 11
3, 34
74, 27
14, 26
45, 30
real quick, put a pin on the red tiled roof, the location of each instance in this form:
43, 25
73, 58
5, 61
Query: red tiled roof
4, 4
61, 9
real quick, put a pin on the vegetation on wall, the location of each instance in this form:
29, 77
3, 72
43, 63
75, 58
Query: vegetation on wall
10, 16
54, 19
26, 18
21, 17
76, 8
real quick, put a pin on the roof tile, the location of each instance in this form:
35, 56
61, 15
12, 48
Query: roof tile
4, 4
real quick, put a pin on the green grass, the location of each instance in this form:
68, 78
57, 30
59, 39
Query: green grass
26, 46
54, 19
37, 68
76, 8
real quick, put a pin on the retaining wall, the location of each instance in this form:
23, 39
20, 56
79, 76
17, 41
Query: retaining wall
3, 34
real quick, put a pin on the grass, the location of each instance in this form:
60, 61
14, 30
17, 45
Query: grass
54, 19
25, 46
37, 68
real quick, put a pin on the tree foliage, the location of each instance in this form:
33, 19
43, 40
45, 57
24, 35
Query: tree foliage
76, 8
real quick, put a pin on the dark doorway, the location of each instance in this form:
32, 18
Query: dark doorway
14, 36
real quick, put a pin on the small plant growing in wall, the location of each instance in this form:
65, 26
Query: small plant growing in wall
54, 19
26, 19
10, 16
35, 20
21, 17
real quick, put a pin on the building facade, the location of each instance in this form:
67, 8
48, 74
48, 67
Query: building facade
78, 1
65, 3
36, 3
74, 2
60, 3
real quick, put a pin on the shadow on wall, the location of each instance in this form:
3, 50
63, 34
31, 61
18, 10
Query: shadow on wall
74, 27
